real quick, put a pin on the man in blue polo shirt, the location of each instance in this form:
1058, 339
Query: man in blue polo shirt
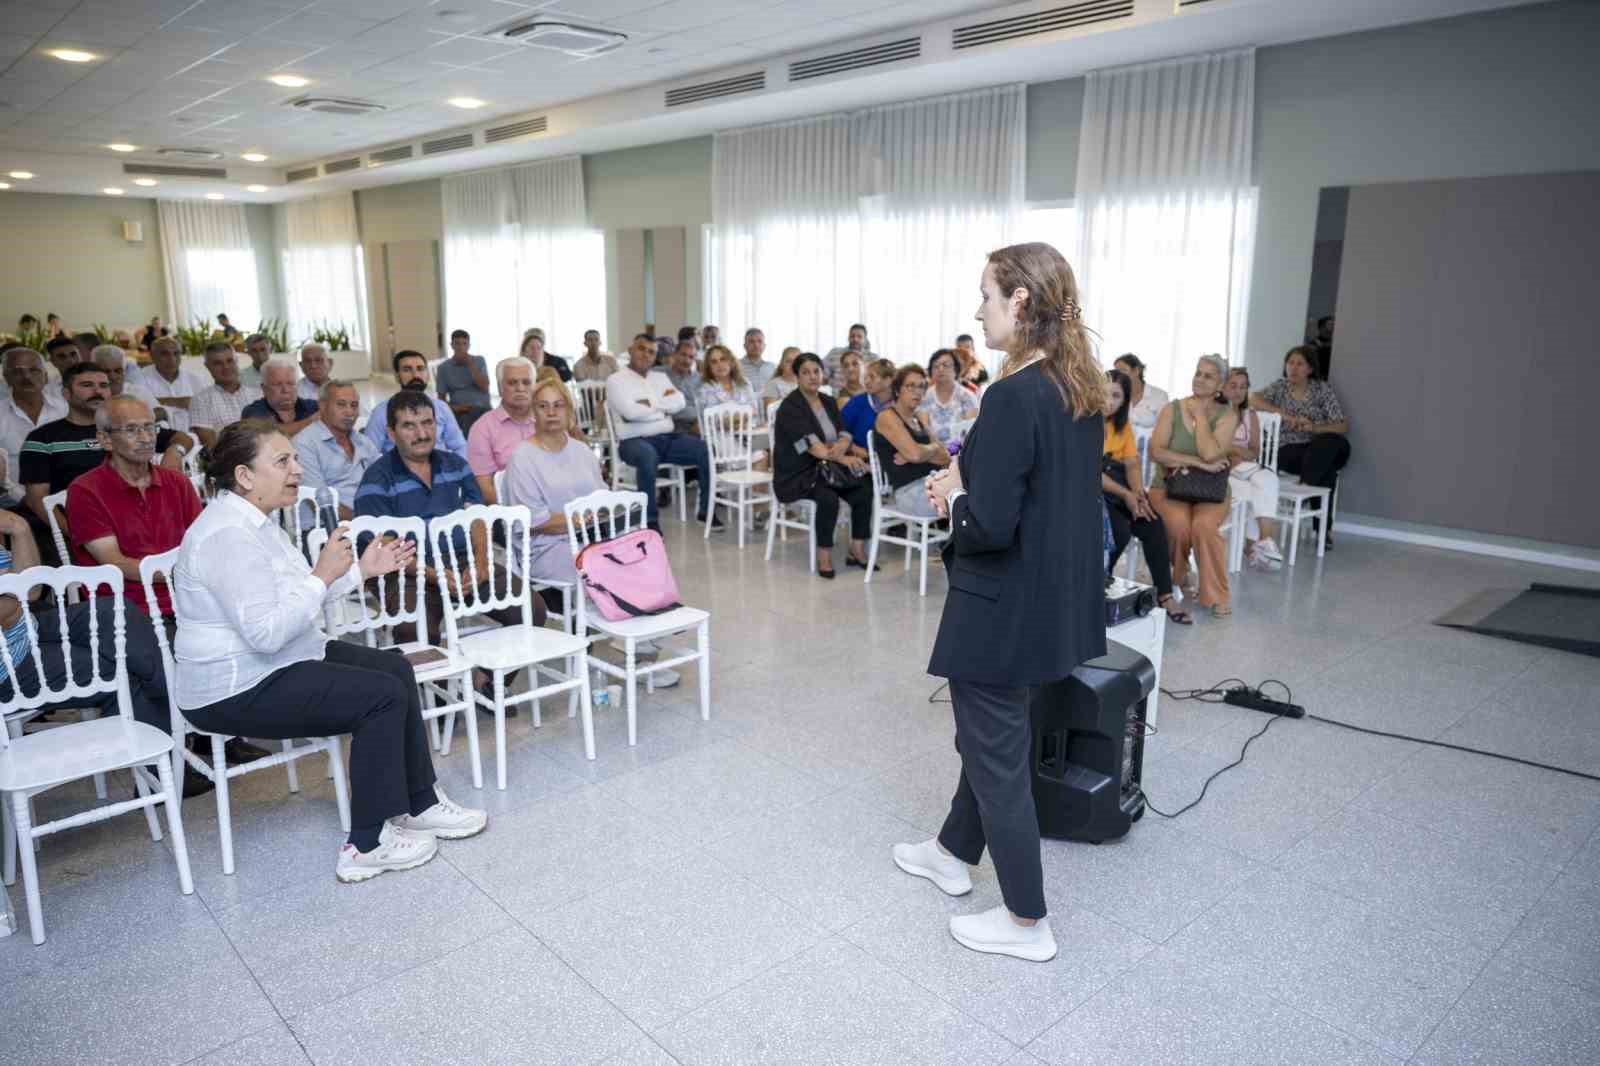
417, 480
279, 402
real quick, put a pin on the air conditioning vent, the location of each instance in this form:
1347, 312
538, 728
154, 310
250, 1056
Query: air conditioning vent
513, 130
755, 81
447, 144
156, 169
1051, 21
303, 174
1190, 3
193, 155
873, 56
335, 105
581, 41
339, 166
390, 155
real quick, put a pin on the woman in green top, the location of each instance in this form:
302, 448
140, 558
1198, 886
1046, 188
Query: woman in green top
1194, 433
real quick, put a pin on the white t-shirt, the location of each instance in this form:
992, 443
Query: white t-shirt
187, 384
1143, 414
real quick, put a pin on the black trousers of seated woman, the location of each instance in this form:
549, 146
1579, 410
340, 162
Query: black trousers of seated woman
1152, 536
858, 494
1318, 461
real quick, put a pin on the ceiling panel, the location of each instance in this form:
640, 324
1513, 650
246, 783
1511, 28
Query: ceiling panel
310, 28
369, 9
23, 16
196, 44
465, 51
97, 29
237, 18
261, 55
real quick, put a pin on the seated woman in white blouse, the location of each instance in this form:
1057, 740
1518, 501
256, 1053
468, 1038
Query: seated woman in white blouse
1146, 401
252, 659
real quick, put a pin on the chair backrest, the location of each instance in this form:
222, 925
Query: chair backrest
1141, 441
93, 583
880, 480
482, 594
589, 406
153, 570
1270, 425
199, 483
383, 604
499, 486
300, 519
55, 510
727, 431
601, 515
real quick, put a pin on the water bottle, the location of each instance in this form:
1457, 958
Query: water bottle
597, 691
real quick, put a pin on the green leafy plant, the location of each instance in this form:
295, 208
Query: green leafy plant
335, 336
277, 331
192, 339
34, 338
102, 331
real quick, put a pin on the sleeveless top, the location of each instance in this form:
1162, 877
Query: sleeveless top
901, 475
1182, 439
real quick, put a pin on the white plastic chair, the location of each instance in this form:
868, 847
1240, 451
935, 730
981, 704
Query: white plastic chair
501, 650
374, 612
589, 408
568, 613
884, 515
55, 512
1294, 498
730, 439
41, 761
217, 770
604, 515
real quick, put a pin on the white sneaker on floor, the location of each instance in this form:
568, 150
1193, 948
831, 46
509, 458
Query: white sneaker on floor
446, 820
398, 849
993, 932
666, 678
1260, 560
1270, 549
926, 860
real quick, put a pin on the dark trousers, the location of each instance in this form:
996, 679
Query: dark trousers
1318, 461
147, 684
993, 804
1152, 535
48, 556
827, 498
644, 454
365, 692
433, 604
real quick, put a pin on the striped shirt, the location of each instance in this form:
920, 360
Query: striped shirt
390, 489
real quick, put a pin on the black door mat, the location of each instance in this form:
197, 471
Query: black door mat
1552, 616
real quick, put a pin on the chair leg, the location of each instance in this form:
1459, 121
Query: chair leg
180, 843
429, 702
219, 768
922, 582
294, 775
711, 507
811, 543
8, 841
1294, 533
500, 730
30, 871
872, 548
149, 812
772, 526
470, 718
449, 720
703, 667
341, 787
581, 665
533, 682
633, 690
572, 694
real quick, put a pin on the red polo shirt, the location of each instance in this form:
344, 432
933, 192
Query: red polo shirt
149, 522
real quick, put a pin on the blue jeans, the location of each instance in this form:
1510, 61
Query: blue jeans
644, 454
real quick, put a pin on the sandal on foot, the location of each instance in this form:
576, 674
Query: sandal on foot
1174, 612
1221, 610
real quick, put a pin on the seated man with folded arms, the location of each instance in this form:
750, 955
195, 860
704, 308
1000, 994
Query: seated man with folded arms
221, 403
332, 454
279, 403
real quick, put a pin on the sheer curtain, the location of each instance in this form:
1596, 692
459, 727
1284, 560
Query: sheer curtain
322, 266
882, 216
209, 263
1166, 210
518, 253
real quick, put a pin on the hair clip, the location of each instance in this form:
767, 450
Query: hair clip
1071, 311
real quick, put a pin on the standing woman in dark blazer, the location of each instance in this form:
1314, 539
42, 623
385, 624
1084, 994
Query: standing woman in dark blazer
1026, 601
813, 458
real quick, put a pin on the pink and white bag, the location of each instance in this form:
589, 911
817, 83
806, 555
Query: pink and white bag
628, 576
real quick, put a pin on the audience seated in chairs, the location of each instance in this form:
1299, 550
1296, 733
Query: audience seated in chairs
316, 370
946, 403
463, 381
850, 375
62, 352
860, 412
280, 403
252, 659
782, 382
855, 341
1128, 507
332, 454
814, 459
498, 433
170, 382
1193, 434
27, 408
907, 451
1146, 402
642, 402
533, 351
258, 346
593, 364
56, 453
682, 372
411, 374
113, 359
1248, 479
753, 367
221, 403
722, 381
1312, 442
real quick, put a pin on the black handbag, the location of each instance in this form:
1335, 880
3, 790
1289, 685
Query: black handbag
1190, 484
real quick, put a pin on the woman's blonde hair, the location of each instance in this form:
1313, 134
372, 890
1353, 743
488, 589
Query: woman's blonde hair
550, 381
789, 355
1050, 322
736, 376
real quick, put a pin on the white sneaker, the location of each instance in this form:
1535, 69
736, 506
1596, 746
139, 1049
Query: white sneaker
1260, 560
993, 931
446, 820
398, 849
1270, 549
666, 678
926, 860
644, 649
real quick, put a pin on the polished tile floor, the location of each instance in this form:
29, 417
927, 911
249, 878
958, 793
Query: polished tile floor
722, 893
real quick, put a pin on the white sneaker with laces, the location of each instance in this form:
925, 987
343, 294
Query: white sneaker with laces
446, 820
1269, 548
995, 933
398, 849
926, 860
666, 678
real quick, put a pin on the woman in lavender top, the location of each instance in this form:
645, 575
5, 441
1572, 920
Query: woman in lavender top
546, 472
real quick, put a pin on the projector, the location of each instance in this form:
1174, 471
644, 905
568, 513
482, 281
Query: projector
1127, 600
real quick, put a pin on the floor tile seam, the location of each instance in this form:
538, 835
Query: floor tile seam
1445, 1014
1500, 953
250, 1035
255, 980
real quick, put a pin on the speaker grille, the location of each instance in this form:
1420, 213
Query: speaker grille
303, 174
391, 155
339, 166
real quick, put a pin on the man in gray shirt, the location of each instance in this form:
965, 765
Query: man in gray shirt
834, 361
686, 379
756, 370
463, 381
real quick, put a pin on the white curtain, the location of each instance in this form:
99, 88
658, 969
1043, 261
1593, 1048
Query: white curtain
322, 267
209, 263
518, 253
883, 216
1166, 211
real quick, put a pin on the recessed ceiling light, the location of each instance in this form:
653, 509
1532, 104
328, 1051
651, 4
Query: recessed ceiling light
256, 188
123, 147
5, 185
213, 196
466, 103
22, 175
72, 55
112, 190
146, 182
253, 157
289, 81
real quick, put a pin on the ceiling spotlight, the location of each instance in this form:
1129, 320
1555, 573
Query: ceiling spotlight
112, 191
22, 175
72, 55
256, 188
146, 182
213, 196
289, 81
253, 157
123, 147
4, 185
466, 103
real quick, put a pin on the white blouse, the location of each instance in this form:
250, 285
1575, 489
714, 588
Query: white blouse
1144, 414
246, 602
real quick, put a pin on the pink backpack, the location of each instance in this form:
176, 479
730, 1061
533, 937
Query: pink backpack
628, 576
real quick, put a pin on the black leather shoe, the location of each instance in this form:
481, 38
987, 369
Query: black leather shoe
196, 783
826, 575
238, 751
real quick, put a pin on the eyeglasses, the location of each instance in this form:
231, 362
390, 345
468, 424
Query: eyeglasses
551, 407
134, 430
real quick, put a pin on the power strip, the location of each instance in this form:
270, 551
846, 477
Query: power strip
1252, 698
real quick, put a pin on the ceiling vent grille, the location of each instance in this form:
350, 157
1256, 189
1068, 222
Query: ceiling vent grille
873, 56
447, 144
1190, 3
1052, 21
194, 155
391, 155
339, 166
174, 172
335, 105
755, 81
303, 174
513, 130
580, 41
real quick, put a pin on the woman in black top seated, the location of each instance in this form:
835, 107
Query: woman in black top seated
906, 449
814, 459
